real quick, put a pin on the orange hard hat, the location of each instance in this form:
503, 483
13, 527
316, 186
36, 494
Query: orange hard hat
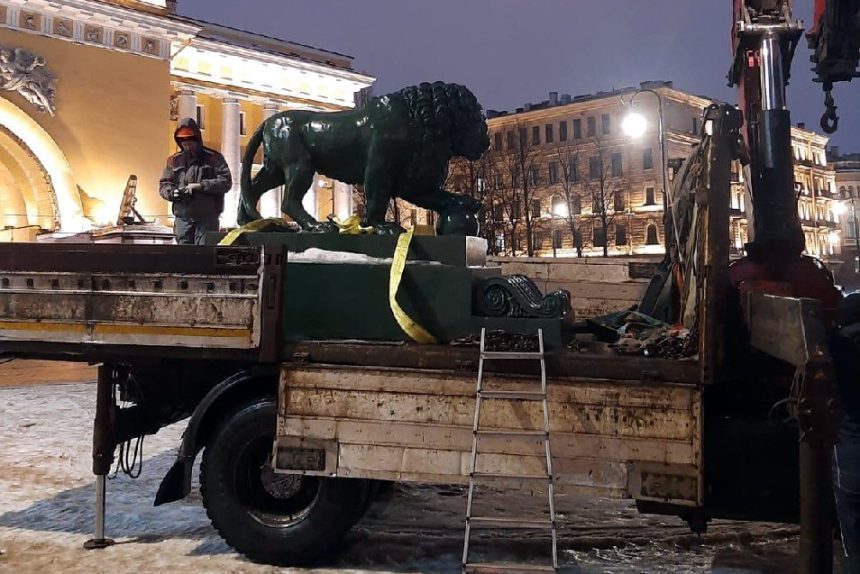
185, 133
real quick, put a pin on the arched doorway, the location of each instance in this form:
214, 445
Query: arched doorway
37, 187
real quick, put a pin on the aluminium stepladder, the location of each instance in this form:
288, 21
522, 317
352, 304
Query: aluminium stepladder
477, 433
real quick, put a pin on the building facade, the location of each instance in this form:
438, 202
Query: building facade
847, 169
90, 92
563, 175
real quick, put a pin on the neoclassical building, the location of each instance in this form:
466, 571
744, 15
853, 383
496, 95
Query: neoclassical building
90, 92
575, 147
847, 168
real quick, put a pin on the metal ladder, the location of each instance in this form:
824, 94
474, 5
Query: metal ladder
477, 433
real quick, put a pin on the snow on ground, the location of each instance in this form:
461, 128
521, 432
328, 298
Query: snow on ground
47, 493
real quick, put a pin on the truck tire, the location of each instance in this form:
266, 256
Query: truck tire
272, 519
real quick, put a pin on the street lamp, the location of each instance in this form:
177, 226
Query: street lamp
634, 126
559, 209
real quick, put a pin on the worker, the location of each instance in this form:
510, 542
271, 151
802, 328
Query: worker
846, 453
194, 181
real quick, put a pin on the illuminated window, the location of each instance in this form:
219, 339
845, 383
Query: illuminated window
616, 165
553, 172
651, 235
649, 196
618, 200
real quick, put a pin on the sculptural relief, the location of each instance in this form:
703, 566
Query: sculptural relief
25, 73
94, 34
64, 27
30, 21
121, 40
151, 46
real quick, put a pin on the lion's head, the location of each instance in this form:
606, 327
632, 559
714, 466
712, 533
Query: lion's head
448, 122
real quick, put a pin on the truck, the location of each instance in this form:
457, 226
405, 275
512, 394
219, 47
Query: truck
304, 402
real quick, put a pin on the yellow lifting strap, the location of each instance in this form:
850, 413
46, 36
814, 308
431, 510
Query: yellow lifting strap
257, 225
409, 326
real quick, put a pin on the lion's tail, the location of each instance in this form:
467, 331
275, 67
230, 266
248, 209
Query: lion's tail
247, 204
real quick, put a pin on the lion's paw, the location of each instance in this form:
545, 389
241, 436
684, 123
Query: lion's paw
387, 228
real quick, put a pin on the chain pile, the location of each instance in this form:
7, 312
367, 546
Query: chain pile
502, 341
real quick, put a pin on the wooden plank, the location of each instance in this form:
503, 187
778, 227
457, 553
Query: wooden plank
432, 465
599, 363
434, 436
655, 395
459, 411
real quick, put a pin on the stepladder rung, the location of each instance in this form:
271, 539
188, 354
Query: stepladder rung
497, 476
539, 479
511, 523
512, 433
511, 356
513, 395
505, 568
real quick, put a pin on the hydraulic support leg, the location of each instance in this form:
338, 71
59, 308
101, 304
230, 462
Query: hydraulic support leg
103, 449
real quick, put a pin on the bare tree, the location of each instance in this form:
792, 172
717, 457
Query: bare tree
519, 166
568, 161
477, 180
604, 165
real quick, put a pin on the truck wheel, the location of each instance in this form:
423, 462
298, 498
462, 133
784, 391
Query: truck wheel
272, 518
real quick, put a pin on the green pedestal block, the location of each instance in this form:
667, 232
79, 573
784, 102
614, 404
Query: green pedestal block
456, 250
350, 301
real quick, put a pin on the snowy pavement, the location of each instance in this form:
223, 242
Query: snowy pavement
47, 493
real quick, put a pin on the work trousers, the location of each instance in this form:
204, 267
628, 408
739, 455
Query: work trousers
191, 231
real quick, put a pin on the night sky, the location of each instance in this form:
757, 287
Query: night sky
513, 51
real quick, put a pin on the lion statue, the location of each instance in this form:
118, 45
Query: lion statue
399, 145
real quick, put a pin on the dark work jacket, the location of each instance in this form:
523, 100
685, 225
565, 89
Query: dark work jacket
209, 169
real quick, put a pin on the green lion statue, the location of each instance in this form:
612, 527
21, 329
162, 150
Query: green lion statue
399, 145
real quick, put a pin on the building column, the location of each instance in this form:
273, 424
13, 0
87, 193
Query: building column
270, 203
186, 105
230, 148
342, 199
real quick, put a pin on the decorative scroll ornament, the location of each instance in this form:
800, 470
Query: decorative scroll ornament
25, 73
518, 296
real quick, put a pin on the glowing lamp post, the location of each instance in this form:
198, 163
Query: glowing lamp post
634, 126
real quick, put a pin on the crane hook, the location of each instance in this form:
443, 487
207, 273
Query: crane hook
829, 120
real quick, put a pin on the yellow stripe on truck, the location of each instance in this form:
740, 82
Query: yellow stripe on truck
115, 329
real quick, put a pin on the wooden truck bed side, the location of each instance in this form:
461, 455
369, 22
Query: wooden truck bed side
102, 301
614, 438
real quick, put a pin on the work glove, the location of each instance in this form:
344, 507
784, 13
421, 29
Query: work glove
192, 188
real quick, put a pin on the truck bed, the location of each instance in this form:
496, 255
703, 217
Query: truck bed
614, 437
